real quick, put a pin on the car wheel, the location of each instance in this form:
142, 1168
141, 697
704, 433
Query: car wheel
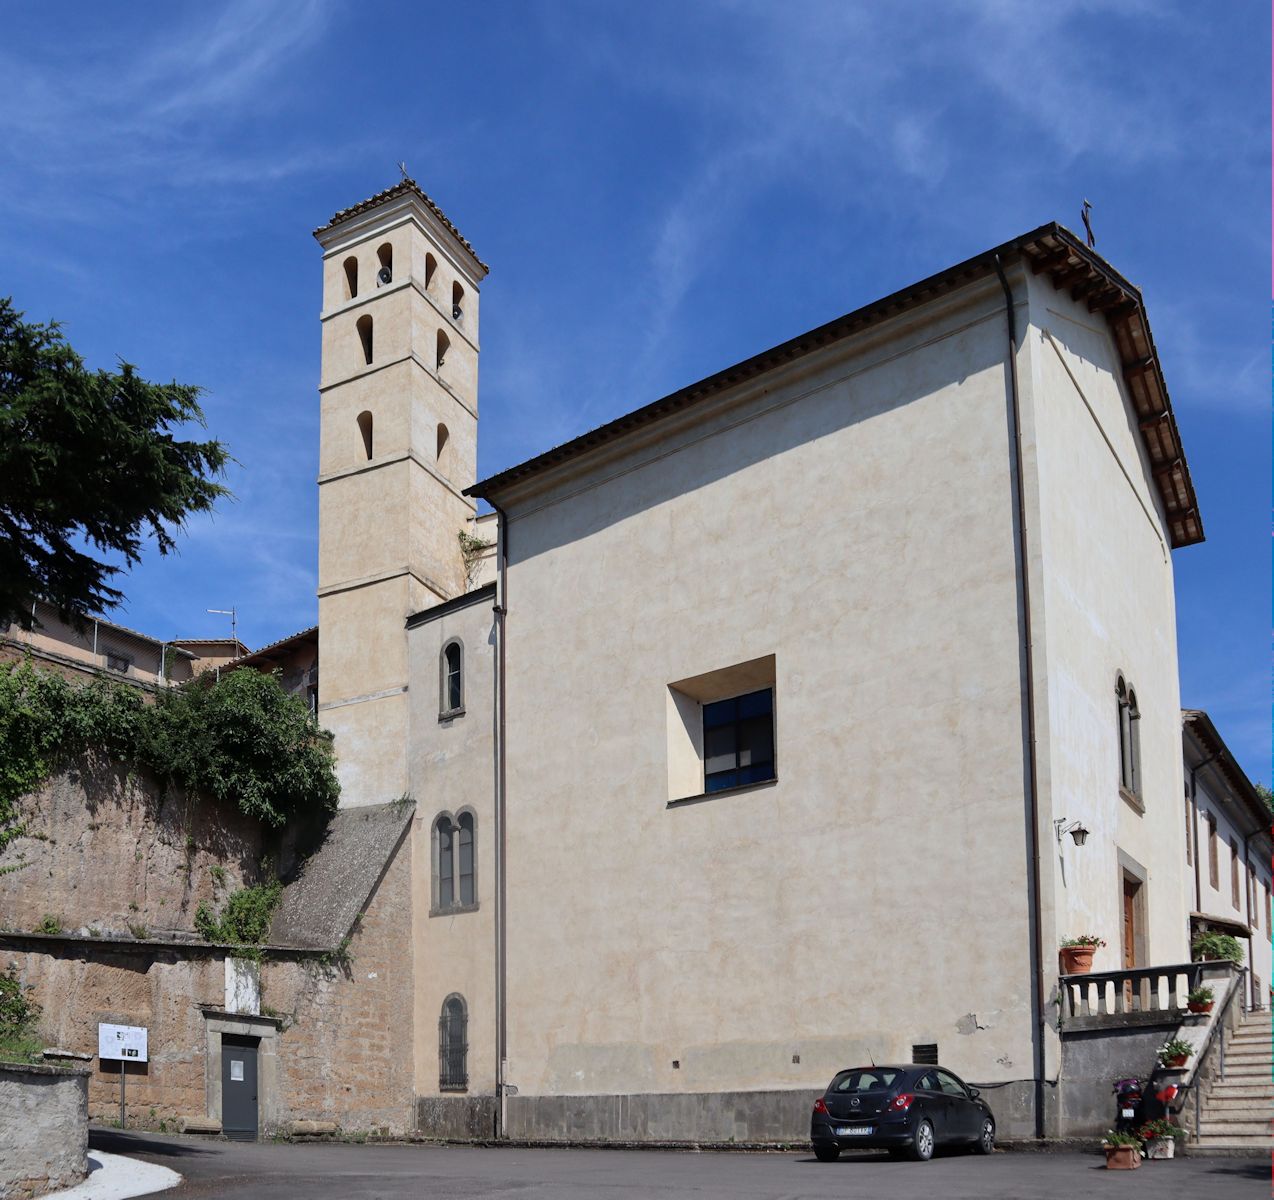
826, 1153
921, 1148
986, 1139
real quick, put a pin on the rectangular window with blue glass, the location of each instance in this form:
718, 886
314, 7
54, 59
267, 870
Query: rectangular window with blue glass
738, 741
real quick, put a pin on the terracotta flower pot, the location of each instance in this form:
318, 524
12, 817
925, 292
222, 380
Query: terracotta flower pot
1178, 1061
1122, 1158
1077, 960
1200, 1006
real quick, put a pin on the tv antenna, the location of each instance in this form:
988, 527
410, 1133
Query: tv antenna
233, 614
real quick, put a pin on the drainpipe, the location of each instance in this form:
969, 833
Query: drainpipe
501, 956
1253, 998
1038, 998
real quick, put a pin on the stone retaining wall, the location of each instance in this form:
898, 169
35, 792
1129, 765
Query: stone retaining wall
43, 1129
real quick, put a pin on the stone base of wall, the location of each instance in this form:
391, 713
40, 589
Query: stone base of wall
1091, 1062
44, 1116
465, 1118
773, 1117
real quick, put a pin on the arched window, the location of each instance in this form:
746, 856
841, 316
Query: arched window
445, 874
453, 1045
444, 344
365, 428
452, 699
385, 255
457, 301
455, 863
442, 456
431, 265
351, 278
1129, 738
464, 858
364, 327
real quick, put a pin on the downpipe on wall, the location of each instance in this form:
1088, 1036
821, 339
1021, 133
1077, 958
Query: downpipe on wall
1038, 997
501, 610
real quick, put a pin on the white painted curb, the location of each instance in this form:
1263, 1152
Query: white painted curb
118, 1177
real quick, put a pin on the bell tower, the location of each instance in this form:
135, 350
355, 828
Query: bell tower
398, 393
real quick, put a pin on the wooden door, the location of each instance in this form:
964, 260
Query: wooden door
1131, 887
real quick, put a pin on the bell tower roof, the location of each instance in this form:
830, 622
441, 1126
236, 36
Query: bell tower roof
405, 188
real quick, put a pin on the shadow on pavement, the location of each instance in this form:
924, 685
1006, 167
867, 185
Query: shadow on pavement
115, 1142
1244, 1168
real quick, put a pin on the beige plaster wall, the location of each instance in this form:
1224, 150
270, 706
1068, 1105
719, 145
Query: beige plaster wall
452, 770
875, 895
1108, 607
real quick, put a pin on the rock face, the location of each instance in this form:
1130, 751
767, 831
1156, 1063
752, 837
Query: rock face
43, 1129
115, 852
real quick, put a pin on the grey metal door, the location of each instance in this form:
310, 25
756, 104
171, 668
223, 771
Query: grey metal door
239, 1087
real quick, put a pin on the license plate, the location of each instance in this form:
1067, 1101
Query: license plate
1128, 1112
852, 1130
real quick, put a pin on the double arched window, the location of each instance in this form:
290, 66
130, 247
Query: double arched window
455, 862
1129, 738
453, 1045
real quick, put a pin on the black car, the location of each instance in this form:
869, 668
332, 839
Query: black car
908, 1110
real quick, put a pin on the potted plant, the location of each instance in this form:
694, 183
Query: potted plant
1174, 1052
1123, 1151
1199, 1000
1211, 946
1160, 1138
1077, 953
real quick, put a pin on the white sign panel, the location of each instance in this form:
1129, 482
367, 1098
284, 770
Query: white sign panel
119, 1042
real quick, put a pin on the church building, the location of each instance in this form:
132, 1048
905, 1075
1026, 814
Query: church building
749, 733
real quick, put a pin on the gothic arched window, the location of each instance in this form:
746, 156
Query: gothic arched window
451, 701
453, 1045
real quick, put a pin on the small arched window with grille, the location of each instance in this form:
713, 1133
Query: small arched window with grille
453, 1045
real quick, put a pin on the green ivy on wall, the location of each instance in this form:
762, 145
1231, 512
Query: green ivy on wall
240, 740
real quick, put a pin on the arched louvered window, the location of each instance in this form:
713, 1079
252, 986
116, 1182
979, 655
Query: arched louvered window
453, 1045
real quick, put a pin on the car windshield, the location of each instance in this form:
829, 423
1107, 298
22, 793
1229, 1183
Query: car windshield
864, 1079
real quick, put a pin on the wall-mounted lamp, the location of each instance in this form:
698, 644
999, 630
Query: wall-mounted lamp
1076, 829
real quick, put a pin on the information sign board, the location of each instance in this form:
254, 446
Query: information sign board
120, 1042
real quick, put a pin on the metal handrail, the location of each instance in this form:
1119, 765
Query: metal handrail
1215, 1038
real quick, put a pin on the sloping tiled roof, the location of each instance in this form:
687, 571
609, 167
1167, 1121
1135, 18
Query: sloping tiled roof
267, 650
1196, 721
1051, 249
407, 186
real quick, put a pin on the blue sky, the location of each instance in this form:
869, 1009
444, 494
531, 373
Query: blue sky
661, 189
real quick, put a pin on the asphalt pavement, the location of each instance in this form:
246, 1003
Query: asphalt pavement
317, 1171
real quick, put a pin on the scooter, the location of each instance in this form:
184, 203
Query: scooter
1127, 1102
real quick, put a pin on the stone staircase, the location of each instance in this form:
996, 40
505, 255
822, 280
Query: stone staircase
1236, 1111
